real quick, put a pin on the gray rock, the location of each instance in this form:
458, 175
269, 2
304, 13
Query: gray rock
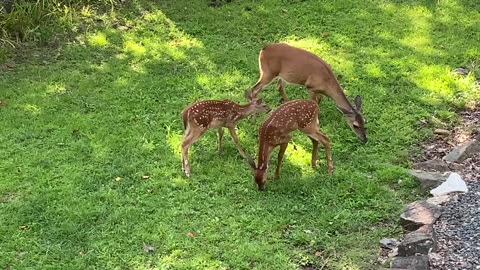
454, 183
411, 263
416, 243
431, 165
418, 214
428, 180
459, 154
389, 243
439, 200
456, 167
460, 71
440, 131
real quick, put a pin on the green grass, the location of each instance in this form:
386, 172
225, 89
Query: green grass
84, 121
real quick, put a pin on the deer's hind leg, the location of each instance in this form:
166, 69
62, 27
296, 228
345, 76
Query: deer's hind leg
191, 135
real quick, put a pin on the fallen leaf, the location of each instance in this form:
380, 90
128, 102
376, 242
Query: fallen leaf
190, 234
149, 190
324, 34
3, 104
318, 254
284, 10
81, 254
24, 227
148, 248
307, 231
145, 177
118, 178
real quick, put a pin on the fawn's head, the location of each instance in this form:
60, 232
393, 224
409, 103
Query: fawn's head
259, 174
257, 105
355, 119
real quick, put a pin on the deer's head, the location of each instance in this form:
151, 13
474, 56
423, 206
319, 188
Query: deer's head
258, 106
355, 119
259, 174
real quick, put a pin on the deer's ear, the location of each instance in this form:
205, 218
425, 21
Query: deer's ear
358, 103
344, 111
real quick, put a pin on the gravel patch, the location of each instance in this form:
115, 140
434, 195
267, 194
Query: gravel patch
458, 232
458, 228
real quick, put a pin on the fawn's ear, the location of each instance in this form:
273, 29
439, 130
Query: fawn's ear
248, 95
358, 103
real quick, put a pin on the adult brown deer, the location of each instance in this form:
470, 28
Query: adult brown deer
274, 131
203, 115
297, 66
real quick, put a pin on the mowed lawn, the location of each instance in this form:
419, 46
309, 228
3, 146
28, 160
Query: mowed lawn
90, 134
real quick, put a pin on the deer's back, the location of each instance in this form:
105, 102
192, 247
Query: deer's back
292, 115
293, 64
209, 113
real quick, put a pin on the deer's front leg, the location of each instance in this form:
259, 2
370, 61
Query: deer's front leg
281, 152
281, 90
220, 136
233, 133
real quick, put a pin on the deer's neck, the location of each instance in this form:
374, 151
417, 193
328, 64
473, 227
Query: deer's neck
263, 155
340, 99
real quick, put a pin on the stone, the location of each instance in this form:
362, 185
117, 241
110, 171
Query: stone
431, 165
428, 180
389, 243
440, 131
460, 71
435, 257
419, 213
454, 183
417, 242
459, 154
456, 166
439, 200
411, 263
426, 229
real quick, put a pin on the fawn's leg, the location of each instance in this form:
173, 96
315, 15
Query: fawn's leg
316, 135
220, 136
233, 133
314, 153
188, 140
281, 152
